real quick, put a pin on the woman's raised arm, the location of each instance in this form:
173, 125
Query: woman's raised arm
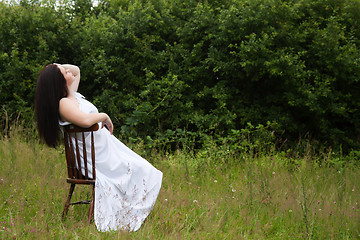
75, 70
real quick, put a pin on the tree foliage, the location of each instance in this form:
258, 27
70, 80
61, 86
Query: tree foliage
173, 69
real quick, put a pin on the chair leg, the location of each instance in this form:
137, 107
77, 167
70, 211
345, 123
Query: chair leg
92, 203
67, 203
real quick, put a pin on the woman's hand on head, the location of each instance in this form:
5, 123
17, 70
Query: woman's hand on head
108, 123
73, 85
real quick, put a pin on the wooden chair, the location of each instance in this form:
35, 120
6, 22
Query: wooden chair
73, 159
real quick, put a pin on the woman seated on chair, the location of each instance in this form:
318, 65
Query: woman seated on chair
126, 185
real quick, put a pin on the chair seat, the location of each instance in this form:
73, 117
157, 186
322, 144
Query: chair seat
80, 181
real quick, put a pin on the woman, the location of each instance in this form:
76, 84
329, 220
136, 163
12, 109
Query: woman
126, 184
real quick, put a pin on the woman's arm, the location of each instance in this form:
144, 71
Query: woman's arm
75, 70
70, 112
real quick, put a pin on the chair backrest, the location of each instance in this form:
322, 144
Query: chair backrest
75, 141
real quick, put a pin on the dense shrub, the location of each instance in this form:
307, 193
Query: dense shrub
172, 69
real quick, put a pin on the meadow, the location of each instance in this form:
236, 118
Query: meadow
213, 193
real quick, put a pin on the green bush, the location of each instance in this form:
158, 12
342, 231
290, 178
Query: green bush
206, 67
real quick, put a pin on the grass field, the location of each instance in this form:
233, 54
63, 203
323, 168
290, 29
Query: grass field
213, 194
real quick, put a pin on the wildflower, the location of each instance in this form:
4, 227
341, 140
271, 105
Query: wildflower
334, 202
273, 173
215, 181
2, 179
195, 201
319, 209
232, 189
290, 211
353, 208
318, 202
166, 200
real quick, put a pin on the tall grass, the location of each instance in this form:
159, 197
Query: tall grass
211, 194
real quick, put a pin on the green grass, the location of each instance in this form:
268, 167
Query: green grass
213, 194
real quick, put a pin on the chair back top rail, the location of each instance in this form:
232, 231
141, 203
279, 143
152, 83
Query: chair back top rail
73, 128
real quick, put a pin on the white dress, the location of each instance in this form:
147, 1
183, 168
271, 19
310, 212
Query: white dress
126, 185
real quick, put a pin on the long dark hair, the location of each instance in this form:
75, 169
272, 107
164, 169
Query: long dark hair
50, 88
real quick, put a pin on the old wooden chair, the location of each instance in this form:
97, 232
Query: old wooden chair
75, 163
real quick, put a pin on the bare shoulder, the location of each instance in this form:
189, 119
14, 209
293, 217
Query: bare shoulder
66, 103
